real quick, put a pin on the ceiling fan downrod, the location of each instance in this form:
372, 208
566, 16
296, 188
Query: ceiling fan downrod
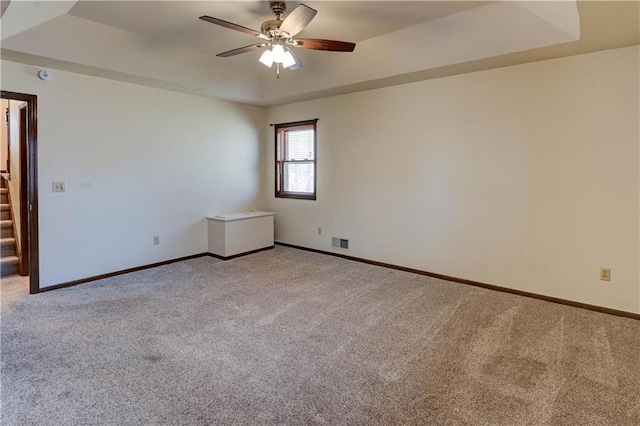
278, 8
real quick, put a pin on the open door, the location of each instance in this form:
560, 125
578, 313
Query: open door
24, 178
27, 169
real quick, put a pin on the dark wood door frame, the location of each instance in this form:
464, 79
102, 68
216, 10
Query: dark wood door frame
30, 185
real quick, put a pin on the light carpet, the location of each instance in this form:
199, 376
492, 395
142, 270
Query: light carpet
292, 337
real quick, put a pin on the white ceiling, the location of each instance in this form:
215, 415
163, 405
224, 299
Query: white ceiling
175, 22
164, 44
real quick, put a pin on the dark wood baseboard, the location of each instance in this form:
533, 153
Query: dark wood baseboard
217, 256
140, 268
474, 283
124, 271
580, 305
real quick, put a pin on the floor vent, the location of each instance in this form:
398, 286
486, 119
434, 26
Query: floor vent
340, 243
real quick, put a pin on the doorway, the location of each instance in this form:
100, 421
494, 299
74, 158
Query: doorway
25, 171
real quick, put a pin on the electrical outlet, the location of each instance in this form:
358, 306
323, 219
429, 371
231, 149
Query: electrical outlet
156, 240
319, 230
605, 274
58, 187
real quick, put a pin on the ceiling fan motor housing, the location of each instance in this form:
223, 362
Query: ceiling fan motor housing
271, 27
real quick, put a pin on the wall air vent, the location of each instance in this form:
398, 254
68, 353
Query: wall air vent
341, 243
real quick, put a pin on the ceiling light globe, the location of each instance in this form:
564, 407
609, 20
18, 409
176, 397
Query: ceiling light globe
278, 53
288, 60
267, 58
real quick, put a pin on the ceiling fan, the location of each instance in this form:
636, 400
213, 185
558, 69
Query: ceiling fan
280, 36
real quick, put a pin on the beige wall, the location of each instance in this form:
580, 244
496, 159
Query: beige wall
525, 177
137, 162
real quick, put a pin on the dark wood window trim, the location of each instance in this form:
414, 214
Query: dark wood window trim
279, 163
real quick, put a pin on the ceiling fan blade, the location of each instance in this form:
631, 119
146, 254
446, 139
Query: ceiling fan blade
234, 27
319, 44
241, 50
295, 21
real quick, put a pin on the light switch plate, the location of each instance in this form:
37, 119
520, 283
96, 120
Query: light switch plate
58, 187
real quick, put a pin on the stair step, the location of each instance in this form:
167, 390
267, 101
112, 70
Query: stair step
8, 266
7, 247
5, 212
6, 228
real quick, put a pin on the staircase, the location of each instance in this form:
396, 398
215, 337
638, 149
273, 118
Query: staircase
8, 258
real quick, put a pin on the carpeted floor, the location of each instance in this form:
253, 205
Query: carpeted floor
292, 337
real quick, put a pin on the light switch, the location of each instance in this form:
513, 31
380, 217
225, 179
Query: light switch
58, 187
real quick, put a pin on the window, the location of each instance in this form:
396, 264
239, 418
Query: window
296, 160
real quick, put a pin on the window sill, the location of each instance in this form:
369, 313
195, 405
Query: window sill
295, 195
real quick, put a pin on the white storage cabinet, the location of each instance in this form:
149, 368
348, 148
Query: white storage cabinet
240, 233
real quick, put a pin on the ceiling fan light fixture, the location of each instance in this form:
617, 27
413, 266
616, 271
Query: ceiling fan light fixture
267, 58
